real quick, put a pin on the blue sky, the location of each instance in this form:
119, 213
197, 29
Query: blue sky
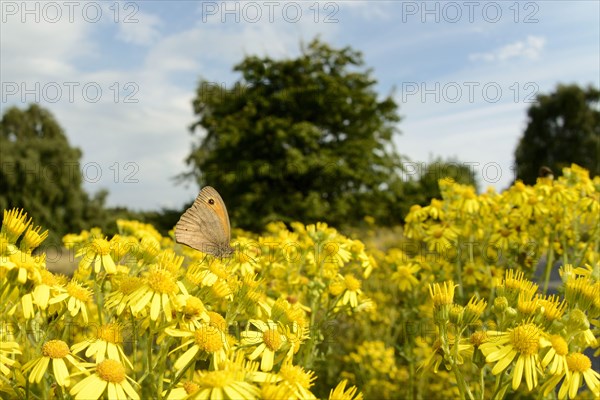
120, 76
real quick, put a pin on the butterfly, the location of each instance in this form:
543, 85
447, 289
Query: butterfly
205, 225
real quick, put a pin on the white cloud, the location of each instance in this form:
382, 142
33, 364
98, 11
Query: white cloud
142, 30
530, 49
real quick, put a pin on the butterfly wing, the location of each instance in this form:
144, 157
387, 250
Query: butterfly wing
205, 225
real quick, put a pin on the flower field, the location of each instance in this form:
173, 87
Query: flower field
461, 305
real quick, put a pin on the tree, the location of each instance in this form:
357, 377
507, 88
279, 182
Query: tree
298, 139
40, 171
563, 128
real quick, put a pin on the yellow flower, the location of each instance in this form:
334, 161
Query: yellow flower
515, 283
298, 380
340, 392
552, 308
272, 391
436, 355
159, 291
209, 339
14, 224
522, 342
120, 246
27, 267
97, 253
43, 292
32, 238
579, 369
55, 352
223, 384
352, 291
183, 390
582, 292
474, 309
405, 276
505, 237
110, 376
441, 238
193, 312
7, 349
442, 297
123, 287
207, 273
107, 342
556, 355
268, 340
76, 296
472, 274
519, 193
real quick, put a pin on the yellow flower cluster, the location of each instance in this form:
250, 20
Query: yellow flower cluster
144, 317
460, 304
460, 291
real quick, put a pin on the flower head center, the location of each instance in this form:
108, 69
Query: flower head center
48, 278
295, 375
478, 337
217, 321
209, 338
162, 281
272, 339
111, 371
578, 362
101, 246
559, 345
217, 379
130, 284
352, 284
79, 292
193, 306
190, 387
55, 349
110, 333
532, 200
525, 339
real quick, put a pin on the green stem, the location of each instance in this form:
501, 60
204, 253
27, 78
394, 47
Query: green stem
482, 382
411, 372
498, 385
462, 385
549, 263
459, 275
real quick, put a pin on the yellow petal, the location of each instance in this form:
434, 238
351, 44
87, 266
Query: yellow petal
39, 370
574, 386
93, 390
266, 364
186, 357
129, 390
61, 373
518, 372
504, 362
155, 308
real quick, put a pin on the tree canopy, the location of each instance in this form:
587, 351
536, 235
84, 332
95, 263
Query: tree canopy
40, 171
563, 128
304, 138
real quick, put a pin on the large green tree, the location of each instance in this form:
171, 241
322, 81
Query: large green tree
305, 138
40, 171
563, 128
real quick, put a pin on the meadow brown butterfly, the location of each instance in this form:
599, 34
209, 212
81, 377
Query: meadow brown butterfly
205, 225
